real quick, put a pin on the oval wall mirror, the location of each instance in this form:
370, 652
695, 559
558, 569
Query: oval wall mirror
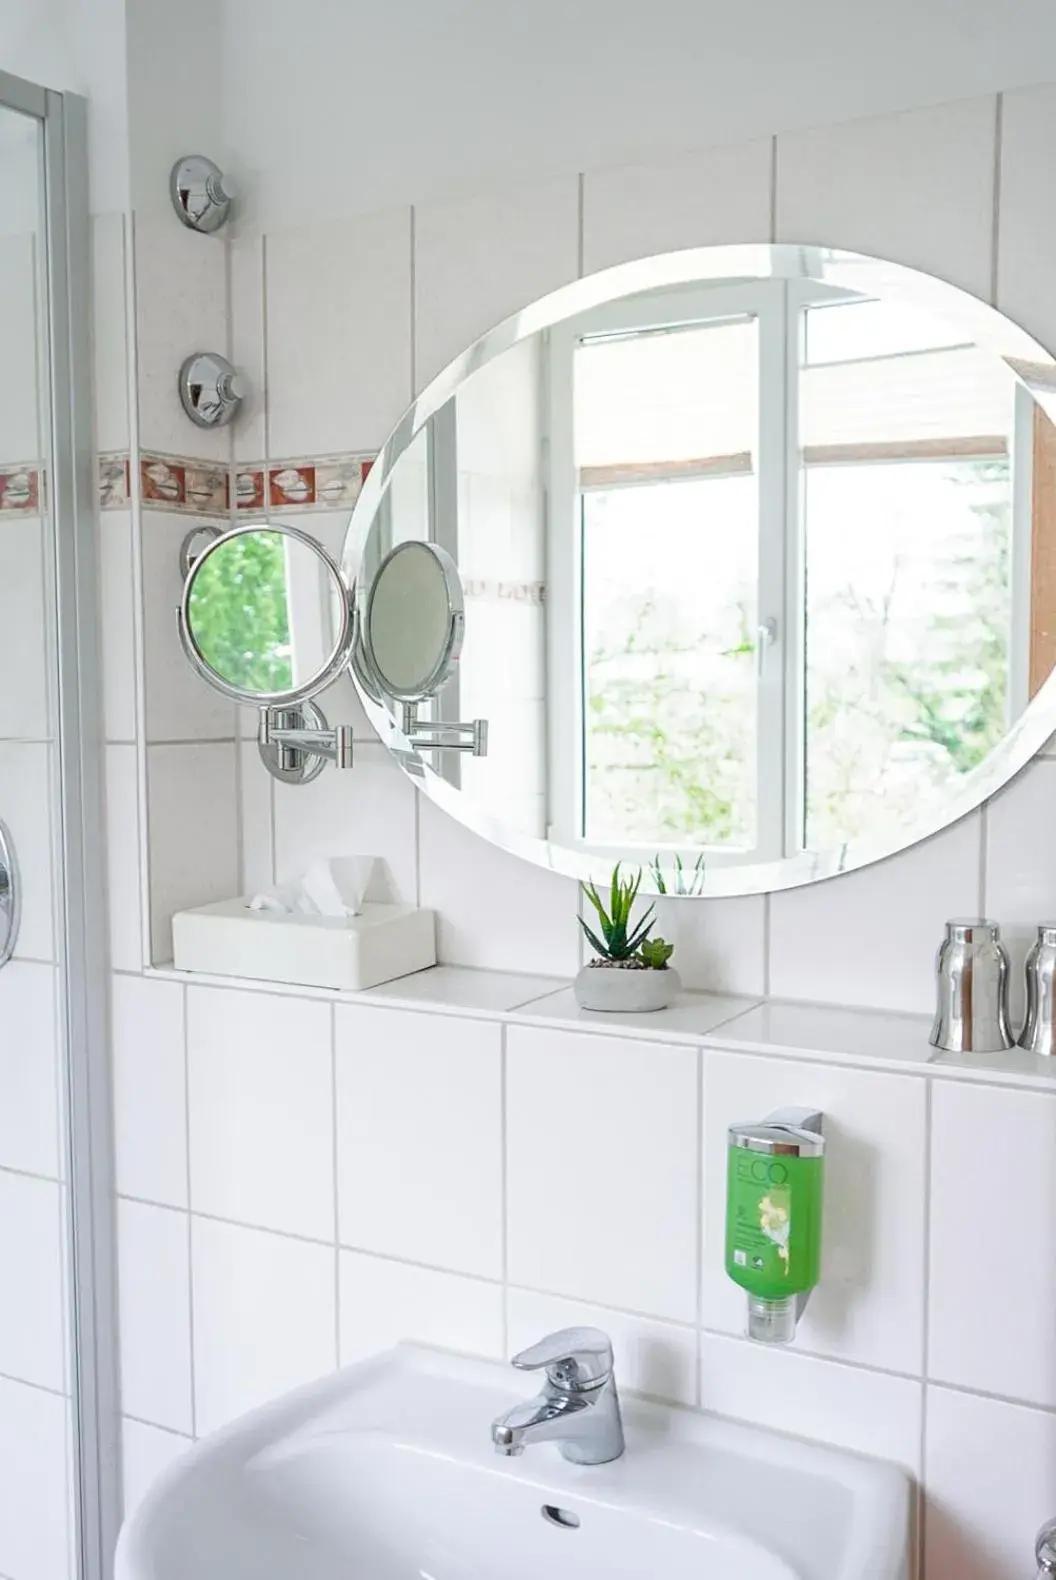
266, 617
413, 622
758, 554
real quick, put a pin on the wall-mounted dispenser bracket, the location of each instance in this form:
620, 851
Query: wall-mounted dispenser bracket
296, 743
439, 735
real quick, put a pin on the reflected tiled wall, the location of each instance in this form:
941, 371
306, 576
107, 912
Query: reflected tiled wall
237, 1281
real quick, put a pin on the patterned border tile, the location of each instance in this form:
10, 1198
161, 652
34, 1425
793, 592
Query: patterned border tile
22, 488
504, 592
203, 488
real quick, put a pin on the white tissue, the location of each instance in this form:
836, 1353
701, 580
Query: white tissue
332, 887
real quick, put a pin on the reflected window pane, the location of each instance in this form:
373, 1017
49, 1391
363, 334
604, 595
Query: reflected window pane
669, 614
666, 434
908, 621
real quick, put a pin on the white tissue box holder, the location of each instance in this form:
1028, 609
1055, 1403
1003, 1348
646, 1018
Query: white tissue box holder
229, 939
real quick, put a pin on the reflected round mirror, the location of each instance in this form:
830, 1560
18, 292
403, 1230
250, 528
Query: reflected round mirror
266, 617
412, 627
758, 552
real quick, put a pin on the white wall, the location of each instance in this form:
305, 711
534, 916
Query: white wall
227, 1100
408, 103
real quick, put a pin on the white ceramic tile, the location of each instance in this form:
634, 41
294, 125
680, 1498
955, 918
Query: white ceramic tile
146, 1451
869, 1305
256, 826
109, 333
35, 1510
916, 188
603, 1211
1027, 228
181, 306
457, 988
180, 706
264, 1318
123, 853
479, 260
720, 945
869, 938
25, 796
865, 1411
384, 1303
990, 1470
807, 1030
24, 709
19, 327
368, 811
31, 1312
154, 1307
654, 1358
993, 1241
338, 300
1021, 865
494, 910
29, 1069
261, 1110
117, 633
419, 1136
689, 1019
249, 433
193, 820
150, 1099
701, 199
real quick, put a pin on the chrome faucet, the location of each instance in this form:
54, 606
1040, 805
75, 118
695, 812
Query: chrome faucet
578, 1408
1045, 1550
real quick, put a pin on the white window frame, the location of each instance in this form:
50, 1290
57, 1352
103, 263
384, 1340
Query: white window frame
778, 306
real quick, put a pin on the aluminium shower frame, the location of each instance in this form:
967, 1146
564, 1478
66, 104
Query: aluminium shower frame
80, 841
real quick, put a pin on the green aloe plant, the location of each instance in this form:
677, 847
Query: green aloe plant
619, 940
686, 881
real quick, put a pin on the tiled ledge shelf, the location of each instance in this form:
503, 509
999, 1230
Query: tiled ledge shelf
825, 1033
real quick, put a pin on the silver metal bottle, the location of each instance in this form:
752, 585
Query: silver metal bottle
971, 1015
1037, 1034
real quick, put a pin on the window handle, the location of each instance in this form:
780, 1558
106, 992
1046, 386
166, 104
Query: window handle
765, 638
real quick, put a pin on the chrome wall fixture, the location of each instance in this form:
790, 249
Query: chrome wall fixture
211, 390
200, 195
10, 896
194, 546
256, 665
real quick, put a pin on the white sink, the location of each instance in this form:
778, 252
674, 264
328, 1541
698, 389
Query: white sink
386, 1471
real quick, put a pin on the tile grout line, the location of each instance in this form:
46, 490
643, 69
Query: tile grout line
39, 1387
337, 1196
504, 1184
926, 1335
190, 1213
995, 223
773, 189
155, 1426
413, 305
698, 1392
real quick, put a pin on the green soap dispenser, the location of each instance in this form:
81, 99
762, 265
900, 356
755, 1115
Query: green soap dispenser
773, 1217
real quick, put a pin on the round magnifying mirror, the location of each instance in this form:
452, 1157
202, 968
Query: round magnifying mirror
412, 630
266, 617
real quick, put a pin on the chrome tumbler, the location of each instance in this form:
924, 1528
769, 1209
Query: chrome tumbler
1037, 1033
972, 968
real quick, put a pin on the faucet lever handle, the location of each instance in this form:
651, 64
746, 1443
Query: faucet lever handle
574, 1358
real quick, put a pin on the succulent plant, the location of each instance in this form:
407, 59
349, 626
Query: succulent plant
655, 952
619, 941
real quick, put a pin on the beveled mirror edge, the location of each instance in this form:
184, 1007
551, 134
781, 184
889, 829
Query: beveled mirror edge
446, 659
345, 639
1033, 367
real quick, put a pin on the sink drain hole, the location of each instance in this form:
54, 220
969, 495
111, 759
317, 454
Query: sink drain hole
563, 1518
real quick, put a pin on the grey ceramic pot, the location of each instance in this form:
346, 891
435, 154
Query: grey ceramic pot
611, 988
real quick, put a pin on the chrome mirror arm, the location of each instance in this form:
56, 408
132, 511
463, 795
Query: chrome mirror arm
296, 743
441, 735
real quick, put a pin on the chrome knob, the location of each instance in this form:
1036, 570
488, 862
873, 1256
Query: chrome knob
1045, 1548
211, 390
200, 194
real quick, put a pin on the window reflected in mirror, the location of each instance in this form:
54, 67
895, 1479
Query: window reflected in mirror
756, 571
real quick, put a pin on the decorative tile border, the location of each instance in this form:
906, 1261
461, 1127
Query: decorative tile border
203, 488
483, 588
21, 489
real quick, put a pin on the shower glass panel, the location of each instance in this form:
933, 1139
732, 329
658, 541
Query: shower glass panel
49, 1440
